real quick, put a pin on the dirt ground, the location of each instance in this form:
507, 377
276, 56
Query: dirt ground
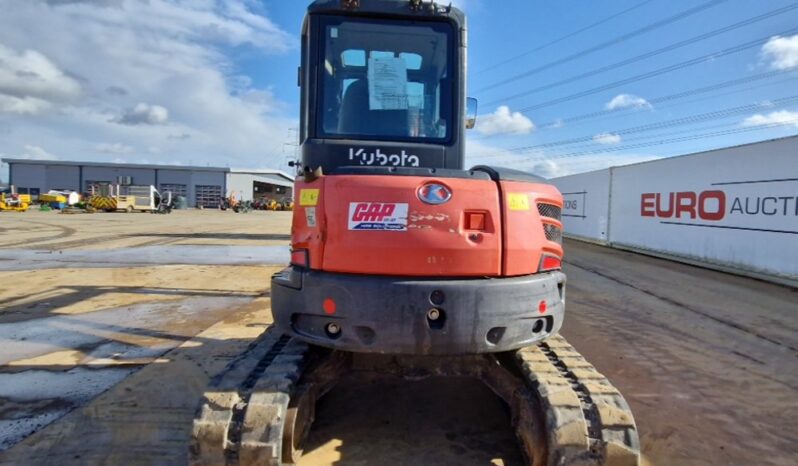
112, 324
708, 361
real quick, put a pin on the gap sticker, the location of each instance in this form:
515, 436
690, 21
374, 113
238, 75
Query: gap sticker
377, 216
310, 216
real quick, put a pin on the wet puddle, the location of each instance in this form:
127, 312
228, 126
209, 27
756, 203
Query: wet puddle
54, 364
28, 259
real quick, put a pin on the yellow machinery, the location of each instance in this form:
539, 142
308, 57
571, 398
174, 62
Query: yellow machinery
109, 197
287, 203
103, 197
272, 204
52, 197
59, 199
12, 201
283, 204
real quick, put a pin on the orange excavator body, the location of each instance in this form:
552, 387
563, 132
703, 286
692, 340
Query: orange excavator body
487, 229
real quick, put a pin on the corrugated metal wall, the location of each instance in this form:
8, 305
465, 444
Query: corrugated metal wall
29, 176
242, 185
141, 176
62, 177
45, 177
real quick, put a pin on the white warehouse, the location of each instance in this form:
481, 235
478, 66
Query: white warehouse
201, 186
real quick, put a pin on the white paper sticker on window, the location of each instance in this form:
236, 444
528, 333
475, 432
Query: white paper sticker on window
387, 78
334, 33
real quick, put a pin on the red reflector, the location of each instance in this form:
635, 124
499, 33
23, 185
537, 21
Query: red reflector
551, 263
299, 257
329, 306
542, 307
475, 221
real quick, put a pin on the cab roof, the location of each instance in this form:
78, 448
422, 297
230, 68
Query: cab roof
405, 9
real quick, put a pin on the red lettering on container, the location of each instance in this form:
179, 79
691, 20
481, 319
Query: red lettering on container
707, 205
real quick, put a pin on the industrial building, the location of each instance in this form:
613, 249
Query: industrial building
201, 186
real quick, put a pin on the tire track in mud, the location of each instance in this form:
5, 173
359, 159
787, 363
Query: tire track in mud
106, 239
663, 364
673, 302
178, 236
665, 341
65, 233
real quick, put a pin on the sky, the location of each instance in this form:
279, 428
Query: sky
564, 86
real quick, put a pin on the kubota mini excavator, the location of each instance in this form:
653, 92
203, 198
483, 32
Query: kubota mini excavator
405, 262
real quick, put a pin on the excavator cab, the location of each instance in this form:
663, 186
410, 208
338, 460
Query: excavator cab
382, 85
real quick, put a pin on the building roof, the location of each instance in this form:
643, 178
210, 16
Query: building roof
262, 171
71, 163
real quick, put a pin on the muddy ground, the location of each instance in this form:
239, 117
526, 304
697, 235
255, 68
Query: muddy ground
112, 324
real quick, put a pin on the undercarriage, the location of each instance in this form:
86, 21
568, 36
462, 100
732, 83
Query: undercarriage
260, 409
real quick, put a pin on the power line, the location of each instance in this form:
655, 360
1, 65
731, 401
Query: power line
657, 72
562, 38
656, 143
719, 114
709, 116
592, 145
667, 141
676, 96
609, 43
653, 53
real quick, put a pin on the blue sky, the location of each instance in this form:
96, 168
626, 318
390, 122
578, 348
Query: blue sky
214, 82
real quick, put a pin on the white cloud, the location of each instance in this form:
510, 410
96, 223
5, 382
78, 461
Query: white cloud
22, 105
557, 123
782, 117
607, 138
115, 148
546, 164
144, 114
781, 51
627, 101
36, 153
105, 62
547, 169
503, 121
29, 82
553, 166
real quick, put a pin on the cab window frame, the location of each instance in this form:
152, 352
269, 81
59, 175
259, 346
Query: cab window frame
446, 110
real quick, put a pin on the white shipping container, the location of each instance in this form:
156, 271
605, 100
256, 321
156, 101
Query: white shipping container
586, 211
734, 207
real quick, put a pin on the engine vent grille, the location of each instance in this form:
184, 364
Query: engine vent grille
550, 211
553, 232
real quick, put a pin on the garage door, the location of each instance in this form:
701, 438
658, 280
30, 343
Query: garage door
207, 196
175, 189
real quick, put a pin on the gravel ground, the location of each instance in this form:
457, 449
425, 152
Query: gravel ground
112, 324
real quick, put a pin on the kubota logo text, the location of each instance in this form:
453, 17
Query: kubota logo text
383, 216
378, 157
